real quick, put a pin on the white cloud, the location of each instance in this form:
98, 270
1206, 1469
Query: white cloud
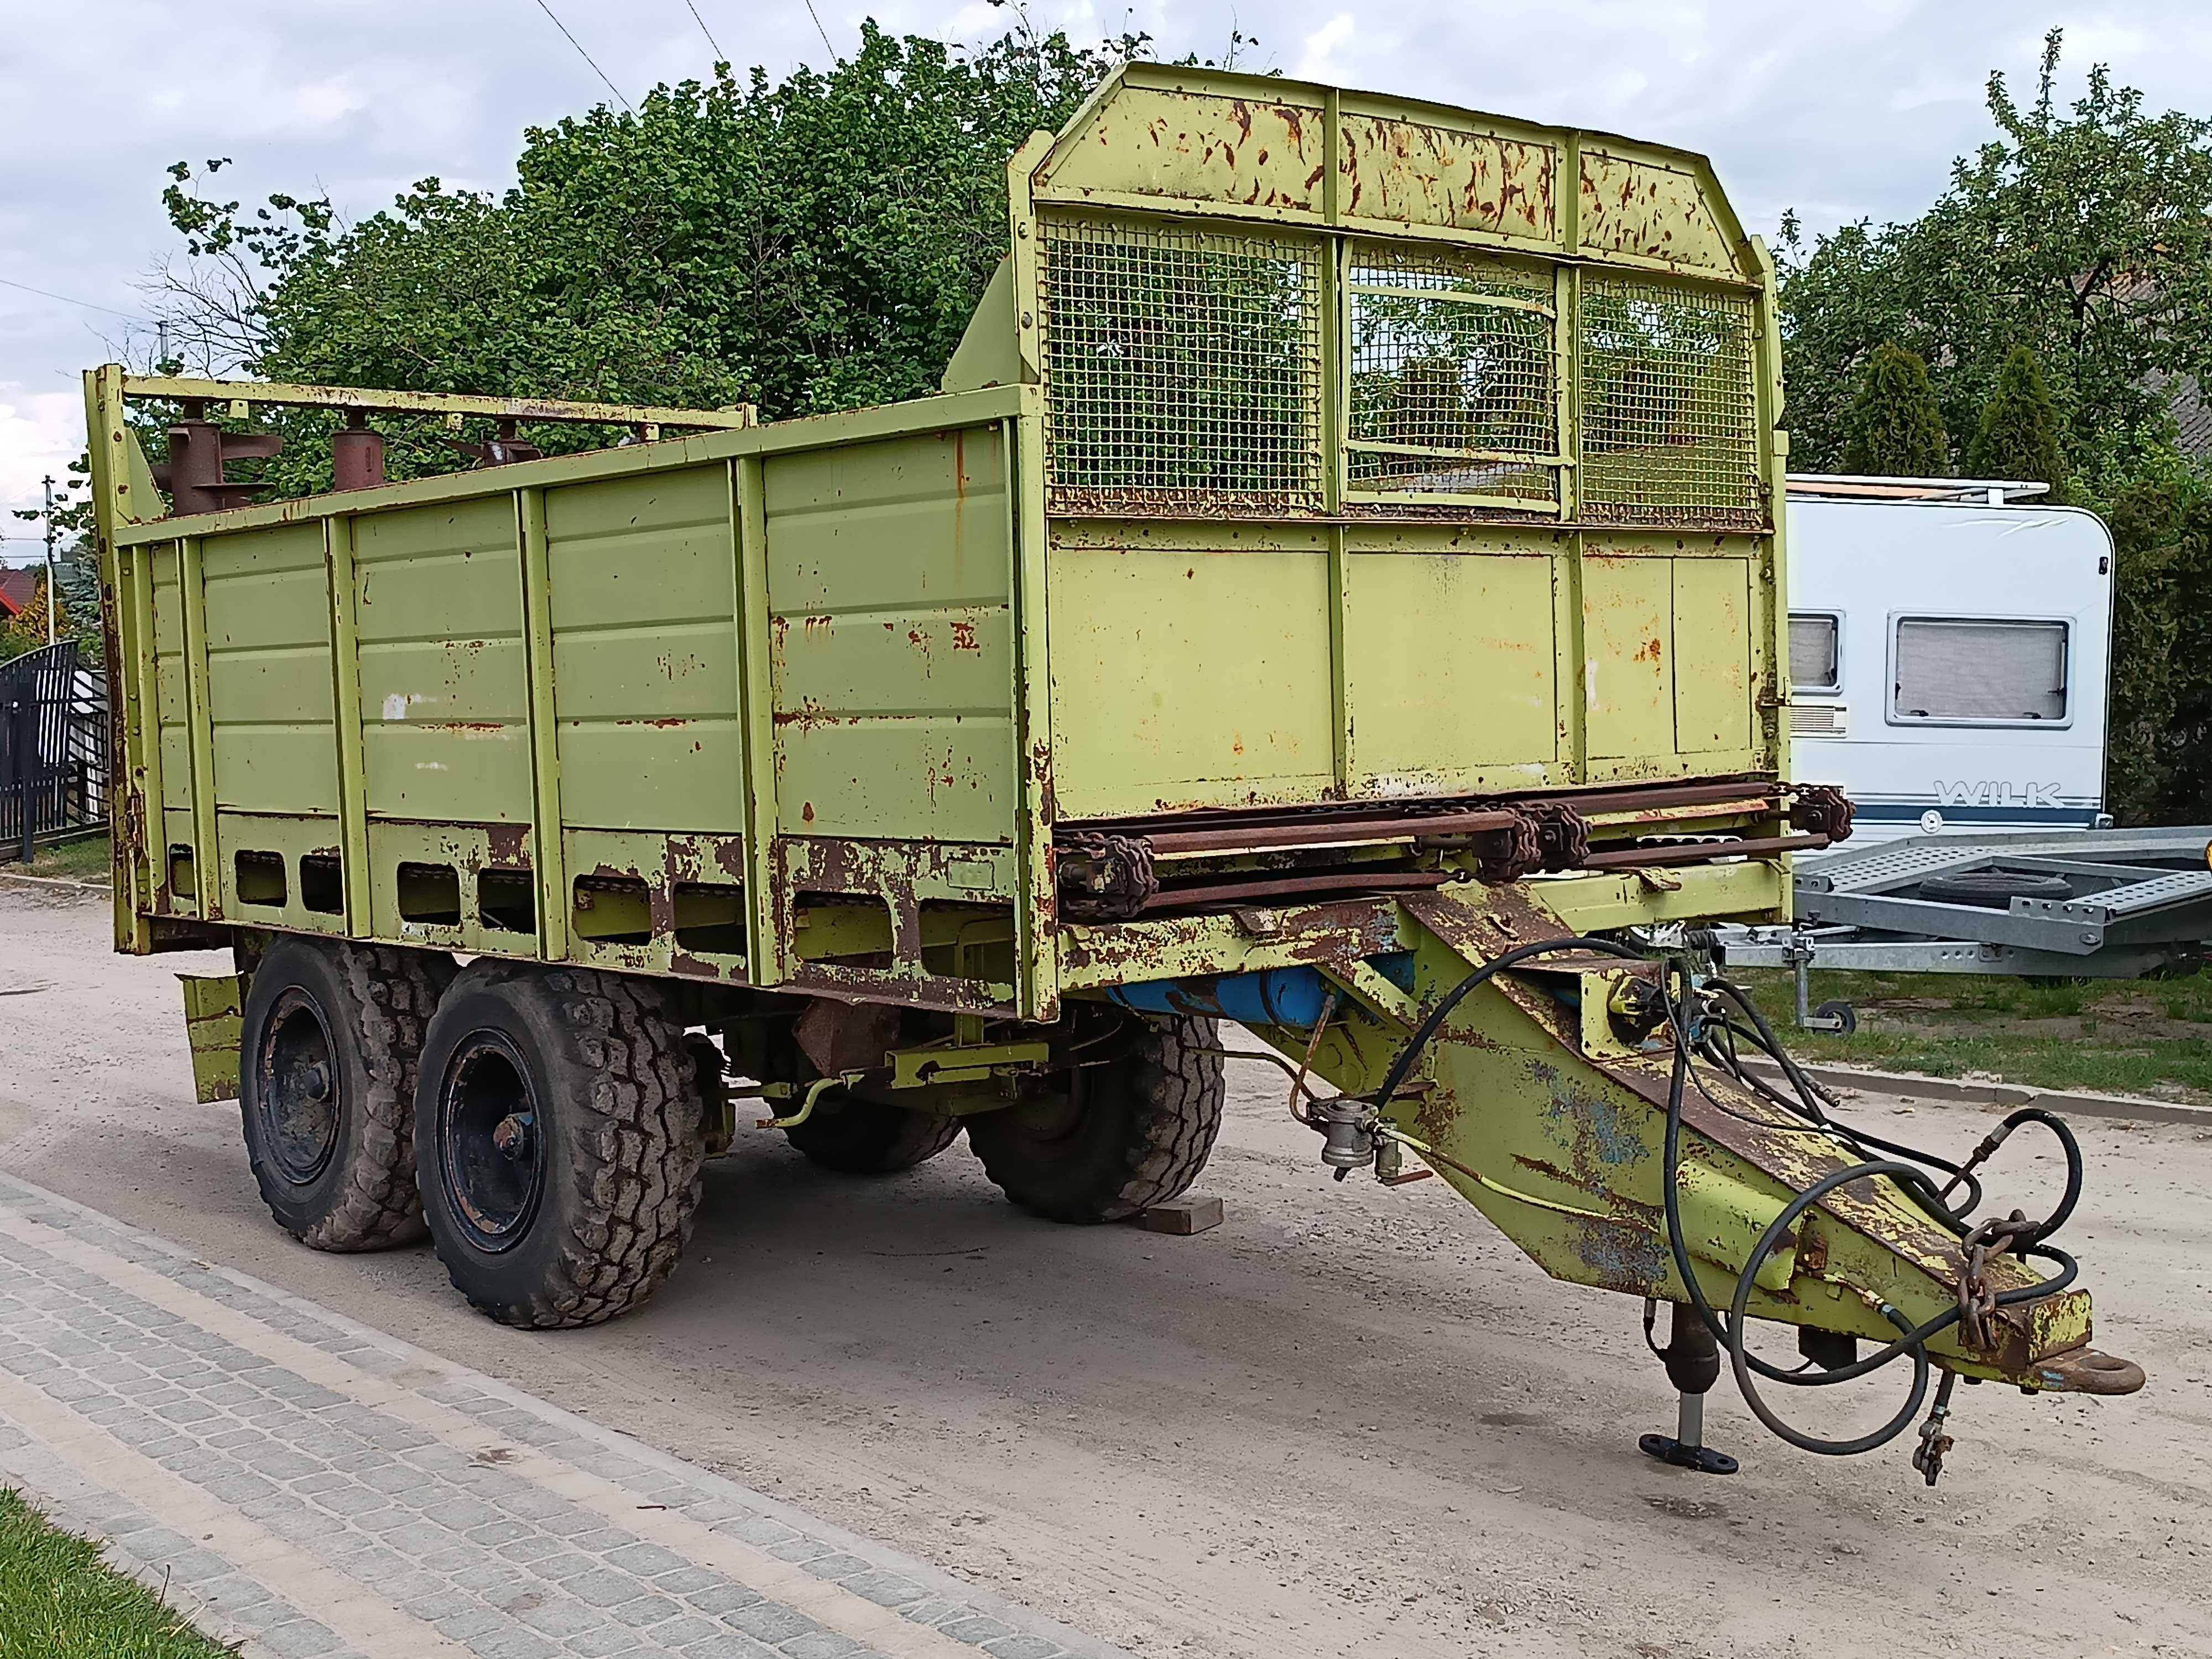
40, 433
1320, 58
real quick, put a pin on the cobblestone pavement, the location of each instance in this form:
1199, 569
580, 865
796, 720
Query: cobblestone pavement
308, 1488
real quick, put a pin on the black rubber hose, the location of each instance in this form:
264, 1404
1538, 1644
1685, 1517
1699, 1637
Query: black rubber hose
1739, 1360
1920, 1188
1914, 1337
2066, 1144
1670, 1176
1912, 1179
1414, 1044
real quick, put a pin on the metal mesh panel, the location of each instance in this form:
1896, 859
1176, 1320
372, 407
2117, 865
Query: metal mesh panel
1383, 471
1451, 361
1669, 410
1182, 370
1448, 271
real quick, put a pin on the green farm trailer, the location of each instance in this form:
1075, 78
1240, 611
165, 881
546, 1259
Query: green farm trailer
1339, 590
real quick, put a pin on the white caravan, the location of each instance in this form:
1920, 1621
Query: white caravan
1949, 646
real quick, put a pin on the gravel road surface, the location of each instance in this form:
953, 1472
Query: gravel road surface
1350, 1421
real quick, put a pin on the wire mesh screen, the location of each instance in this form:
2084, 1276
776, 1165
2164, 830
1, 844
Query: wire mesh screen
1670, 411
1182, 370
1452, 380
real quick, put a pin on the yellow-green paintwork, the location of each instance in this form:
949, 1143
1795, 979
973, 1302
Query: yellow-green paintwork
213, 1009
860, 655
1554, 1128
801, 706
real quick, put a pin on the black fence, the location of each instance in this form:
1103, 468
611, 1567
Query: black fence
53, 749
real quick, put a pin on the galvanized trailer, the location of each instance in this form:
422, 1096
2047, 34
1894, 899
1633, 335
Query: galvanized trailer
1344, 554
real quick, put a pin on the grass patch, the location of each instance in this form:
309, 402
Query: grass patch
2141, 1037
59, 1600
86, 859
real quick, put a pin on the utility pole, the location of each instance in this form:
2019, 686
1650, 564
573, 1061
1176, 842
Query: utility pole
53, 594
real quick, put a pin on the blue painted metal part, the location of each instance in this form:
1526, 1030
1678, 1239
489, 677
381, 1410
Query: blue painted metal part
1291, 997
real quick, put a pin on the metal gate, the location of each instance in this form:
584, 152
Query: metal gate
53, 749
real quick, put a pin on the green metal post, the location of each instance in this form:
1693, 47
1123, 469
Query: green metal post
345, 675
549, 856
206, 872
1036, 946
764, 952
148, 872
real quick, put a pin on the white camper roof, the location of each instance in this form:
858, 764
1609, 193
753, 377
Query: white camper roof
1979, 492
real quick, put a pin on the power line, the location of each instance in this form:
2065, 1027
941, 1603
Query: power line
587, 57
818, 29
44, 294
704, 30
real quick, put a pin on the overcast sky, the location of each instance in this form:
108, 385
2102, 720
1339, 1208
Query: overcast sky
1841, 110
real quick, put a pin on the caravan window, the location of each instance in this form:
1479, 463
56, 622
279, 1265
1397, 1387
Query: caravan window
1813, 662
1955, 669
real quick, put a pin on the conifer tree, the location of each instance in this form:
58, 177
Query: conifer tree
1895, 429
2019, 434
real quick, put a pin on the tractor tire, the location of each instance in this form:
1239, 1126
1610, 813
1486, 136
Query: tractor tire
1102, 1142
557, 1142
854, 1136
1993, 890
331, 1038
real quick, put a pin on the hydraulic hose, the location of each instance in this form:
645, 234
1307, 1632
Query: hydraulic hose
1910, 1177
1411, 1053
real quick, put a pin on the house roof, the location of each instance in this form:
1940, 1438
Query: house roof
18, 587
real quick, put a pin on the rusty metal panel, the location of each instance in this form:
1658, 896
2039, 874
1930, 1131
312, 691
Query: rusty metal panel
1424, 175
425, 885
1712, 608
1540, 335
1629, 668
282, 871
1663, 210
444, 694
1183, 145
643, 580
1451, 671
1189, 678
214, 1005
884, 920
658, 904
890, 583
269, 670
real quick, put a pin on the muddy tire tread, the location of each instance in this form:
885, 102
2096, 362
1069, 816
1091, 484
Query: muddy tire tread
640, 1161
1176, 1092
1183, 1090
392, 993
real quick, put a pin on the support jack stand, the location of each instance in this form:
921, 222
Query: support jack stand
1693, 1365
1685, 1449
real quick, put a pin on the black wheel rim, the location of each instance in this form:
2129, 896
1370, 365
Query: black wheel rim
296, 1088
491, 1141
1055, 1113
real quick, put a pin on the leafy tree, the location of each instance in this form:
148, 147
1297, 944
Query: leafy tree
2018, 437
2082, 234
77, 616
2158, 745
2146, 526
1894, 428
26, 630
811, 244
